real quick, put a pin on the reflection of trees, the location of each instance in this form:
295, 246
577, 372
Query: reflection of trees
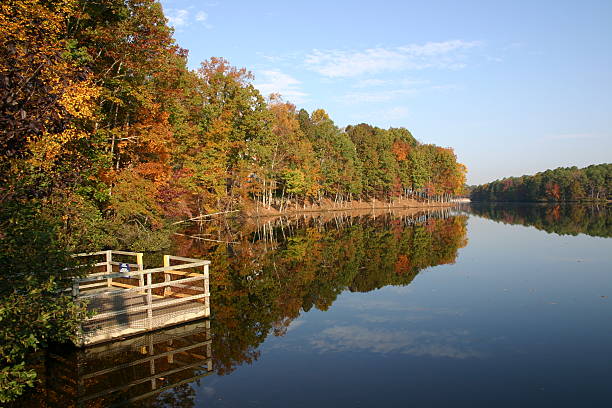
279, 269
562, 219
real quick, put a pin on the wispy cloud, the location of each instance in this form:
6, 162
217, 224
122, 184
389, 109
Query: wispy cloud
275, 81
201, 16
375, 96
452, 344
394, 113
372, 82
177, 17
343, 63
447, 87
180, 18
377, 90
377, 82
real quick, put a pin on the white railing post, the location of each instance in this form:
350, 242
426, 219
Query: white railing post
140, 269
109, 267
166, 275
206, 290
149, 302
186, 277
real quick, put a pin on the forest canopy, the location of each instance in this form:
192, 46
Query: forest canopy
592, 183
99, 110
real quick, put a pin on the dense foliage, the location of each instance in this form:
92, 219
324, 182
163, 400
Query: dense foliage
98, 103
593, 183
107, 135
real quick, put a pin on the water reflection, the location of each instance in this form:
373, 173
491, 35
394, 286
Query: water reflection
280, 268
562, 219
264, 275
509, 315
155, 369
350, 338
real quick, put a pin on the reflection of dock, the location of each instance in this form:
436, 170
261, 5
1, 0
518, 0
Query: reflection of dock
127, 371
127, 299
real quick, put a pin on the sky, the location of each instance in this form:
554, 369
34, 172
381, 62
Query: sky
515, 87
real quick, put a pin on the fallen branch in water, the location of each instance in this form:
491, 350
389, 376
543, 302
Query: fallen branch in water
206, 239
199, 217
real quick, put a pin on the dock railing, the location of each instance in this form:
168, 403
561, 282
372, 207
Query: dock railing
127, 299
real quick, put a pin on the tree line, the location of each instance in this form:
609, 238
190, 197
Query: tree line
592, 183
105, 123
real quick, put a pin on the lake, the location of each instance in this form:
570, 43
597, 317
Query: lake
481, 305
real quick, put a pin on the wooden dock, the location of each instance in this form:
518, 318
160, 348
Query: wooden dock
127, 299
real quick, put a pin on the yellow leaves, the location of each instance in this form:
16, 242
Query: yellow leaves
33, 21
221, 127
46, 149
286, 123
319, 116
78, 99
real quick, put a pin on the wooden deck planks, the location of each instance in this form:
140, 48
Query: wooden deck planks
123, 309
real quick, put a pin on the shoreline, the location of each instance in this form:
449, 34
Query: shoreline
328, 206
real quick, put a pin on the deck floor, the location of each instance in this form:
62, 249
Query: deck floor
136, 321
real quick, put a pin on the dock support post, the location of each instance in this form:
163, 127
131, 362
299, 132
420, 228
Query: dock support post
75, 289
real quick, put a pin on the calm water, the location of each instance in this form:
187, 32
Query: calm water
492, 306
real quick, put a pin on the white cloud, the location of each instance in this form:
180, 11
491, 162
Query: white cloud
295, 324
447, 87
201, 16
451, 343
376, 96
341, 63
395, 113
388, 90
373, 82
377, 82
274, 81
413, 82
177, 17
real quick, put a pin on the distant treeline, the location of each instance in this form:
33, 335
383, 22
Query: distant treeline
593, 183
562, 219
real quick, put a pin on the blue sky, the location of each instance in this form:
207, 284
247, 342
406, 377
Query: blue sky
515, 87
